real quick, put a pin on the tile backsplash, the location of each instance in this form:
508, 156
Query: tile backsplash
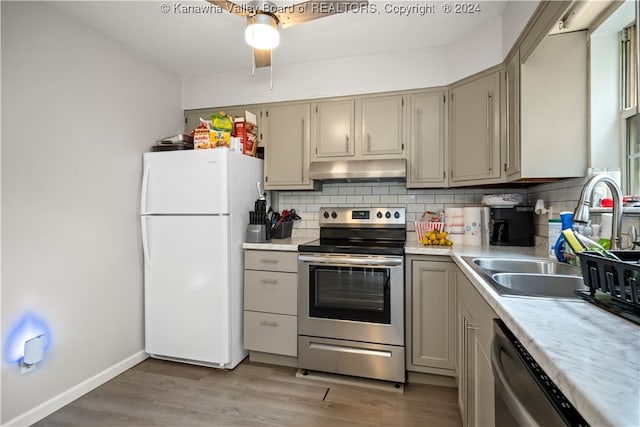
380, 194
558, 196
563, 196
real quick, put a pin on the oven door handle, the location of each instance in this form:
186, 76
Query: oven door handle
508, 394
390, 262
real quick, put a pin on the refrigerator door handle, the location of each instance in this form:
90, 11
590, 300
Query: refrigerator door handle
145, 190
145, 241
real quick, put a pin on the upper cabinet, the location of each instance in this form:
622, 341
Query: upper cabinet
474, 130
554, 109
546, 116
427, 153
356, 128
333, 129
287, 147
524, 120
381, 125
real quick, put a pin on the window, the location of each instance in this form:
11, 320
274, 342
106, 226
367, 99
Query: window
628, 68
629, 108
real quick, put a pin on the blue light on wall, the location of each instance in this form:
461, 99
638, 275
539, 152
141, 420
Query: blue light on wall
27, 327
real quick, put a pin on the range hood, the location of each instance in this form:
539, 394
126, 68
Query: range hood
364, 170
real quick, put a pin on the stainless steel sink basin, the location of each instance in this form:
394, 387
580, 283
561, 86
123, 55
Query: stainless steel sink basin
544, 285
515, 265
532, 277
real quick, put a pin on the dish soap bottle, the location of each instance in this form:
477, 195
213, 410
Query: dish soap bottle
566, 218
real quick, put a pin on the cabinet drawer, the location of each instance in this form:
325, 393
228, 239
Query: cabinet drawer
271, 333
271, 260
271, 292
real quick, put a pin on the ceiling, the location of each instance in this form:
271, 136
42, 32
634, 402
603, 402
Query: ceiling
210, 41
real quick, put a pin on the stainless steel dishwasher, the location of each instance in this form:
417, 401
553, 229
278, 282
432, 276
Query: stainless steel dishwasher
524, 394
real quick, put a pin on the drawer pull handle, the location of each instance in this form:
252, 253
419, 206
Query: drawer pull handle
269, 261
269, 281
267, 323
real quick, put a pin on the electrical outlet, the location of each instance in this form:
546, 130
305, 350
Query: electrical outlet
24, 368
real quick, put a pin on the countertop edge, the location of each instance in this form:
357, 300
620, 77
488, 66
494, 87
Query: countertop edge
585, 401
291, 244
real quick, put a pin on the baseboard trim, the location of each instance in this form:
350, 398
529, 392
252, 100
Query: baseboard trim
431, 379
50, 406
273, 359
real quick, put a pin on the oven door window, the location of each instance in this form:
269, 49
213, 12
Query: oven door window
350, 293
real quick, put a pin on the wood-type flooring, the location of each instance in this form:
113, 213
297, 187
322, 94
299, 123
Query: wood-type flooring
161, 393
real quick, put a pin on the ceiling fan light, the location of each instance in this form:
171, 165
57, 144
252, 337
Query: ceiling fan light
262, 31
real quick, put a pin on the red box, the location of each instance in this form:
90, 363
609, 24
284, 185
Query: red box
248, 133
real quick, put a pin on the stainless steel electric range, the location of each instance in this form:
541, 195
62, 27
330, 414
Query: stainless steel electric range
351, 294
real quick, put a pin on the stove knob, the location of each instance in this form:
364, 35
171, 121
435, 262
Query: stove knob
396, 215
379, 214
325, 215
387, 215
334, 215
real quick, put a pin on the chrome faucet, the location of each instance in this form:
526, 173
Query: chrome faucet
581, 213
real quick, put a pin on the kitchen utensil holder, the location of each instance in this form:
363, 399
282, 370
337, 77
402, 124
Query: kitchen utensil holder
614, 285
282, 230
257, 233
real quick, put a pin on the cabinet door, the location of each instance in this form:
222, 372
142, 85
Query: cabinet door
474, 120
512, 87
427, 157
474, 334
381, 125
552, 132
433, 314
465, 335
287, 147
484, 414
333, 129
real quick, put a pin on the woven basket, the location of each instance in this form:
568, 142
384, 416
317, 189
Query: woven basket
423, 227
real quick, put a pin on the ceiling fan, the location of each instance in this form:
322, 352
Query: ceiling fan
264, 18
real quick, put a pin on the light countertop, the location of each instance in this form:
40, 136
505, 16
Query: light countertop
591, 355
290, 244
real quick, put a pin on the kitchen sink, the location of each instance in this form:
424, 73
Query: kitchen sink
531, 277
514, 265
544, 285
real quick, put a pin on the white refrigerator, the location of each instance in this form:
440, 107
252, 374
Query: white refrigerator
194, 213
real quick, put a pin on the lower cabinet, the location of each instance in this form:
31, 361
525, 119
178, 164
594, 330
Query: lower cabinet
270, 304
430, 315
474, 332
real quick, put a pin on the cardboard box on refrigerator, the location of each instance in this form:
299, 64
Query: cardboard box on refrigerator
246, 128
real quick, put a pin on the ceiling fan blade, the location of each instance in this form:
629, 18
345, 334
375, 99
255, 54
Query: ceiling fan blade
314, 9
232, 7
262, 57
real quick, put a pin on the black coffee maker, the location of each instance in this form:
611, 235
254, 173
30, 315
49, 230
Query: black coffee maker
512, 226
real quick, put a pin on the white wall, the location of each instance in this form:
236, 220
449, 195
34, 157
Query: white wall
344, 76
77, 112
357, 74
477, 51
514, 18
484, 47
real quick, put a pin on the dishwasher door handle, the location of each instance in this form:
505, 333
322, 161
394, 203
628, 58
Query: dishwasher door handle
508, 394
